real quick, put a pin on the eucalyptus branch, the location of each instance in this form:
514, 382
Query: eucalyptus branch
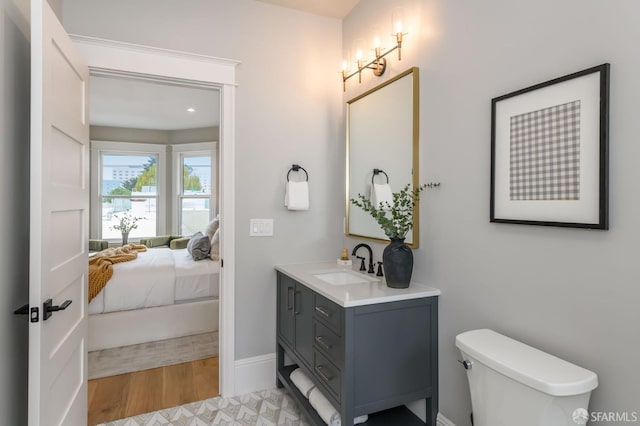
395, 219
127, 222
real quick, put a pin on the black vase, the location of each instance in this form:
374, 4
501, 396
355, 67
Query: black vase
397, 259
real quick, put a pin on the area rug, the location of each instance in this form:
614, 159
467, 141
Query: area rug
271, 407
126, 359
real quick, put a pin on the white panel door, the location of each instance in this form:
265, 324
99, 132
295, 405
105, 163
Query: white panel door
59, 224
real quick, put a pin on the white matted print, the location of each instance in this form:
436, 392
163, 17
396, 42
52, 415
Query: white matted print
549, 159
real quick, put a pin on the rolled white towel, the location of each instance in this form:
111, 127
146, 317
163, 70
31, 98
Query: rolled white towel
381, 193
325, 410
302, 382
360, 419
296, 195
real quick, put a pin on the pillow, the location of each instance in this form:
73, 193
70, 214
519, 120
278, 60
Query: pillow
199, 246
215, 245
212, 227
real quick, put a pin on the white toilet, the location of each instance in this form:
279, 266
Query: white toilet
514, 384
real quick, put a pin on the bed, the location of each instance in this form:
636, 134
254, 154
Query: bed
162, 294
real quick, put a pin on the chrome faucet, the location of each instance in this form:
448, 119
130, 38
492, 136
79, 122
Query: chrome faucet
355, 249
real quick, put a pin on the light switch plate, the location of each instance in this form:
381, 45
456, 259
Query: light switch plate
261, 227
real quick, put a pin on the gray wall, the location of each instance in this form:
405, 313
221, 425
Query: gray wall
288, 111
573, 293
14, 219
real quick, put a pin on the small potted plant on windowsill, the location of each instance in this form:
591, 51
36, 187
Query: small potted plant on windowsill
395, 219
127, 223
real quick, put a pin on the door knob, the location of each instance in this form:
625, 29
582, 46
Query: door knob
48, 308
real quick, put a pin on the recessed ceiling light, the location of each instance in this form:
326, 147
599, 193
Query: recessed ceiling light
191, 110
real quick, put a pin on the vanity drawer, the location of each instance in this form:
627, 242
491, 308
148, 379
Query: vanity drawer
329, 343
327, 373
328, 312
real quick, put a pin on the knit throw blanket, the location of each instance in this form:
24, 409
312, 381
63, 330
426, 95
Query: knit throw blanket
101, 265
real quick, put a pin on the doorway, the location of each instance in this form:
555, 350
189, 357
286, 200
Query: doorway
117, 58
154, 157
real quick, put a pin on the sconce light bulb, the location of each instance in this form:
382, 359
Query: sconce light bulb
345, 65
398, 20
376, 41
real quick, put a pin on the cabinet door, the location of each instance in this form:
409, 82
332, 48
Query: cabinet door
304, 323
286, 318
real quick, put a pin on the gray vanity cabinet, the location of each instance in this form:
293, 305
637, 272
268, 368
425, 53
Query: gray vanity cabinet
295, 316
370, 359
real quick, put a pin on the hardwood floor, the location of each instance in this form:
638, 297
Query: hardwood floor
125, 395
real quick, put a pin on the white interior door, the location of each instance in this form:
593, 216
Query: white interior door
59, 224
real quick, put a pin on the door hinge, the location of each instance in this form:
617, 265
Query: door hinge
222, 263
35, 314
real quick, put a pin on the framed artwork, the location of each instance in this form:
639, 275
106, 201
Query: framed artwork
549, 152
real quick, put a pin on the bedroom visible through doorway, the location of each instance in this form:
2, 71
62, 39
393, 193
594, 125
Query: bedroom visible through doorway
154, 160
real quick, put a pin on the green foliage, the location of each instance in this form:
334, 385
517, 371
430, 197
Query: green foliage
120, 191
190, 182
147, 177
129, 184
117, 191
397, 219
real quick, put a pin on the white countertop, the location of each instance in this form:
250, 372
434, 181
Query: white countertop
358, 294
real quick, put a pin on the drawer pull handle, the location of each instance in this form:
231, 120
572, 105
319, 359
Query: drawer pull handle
322, 375
321, 342
323, 311
289, 292
295, 311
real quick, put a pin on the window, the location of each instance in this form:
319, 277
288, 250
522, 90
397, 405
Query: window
196, 187
127, 178
134, 191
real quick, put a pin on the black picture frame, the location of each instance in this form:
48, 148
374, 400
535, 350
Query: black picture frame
550, 152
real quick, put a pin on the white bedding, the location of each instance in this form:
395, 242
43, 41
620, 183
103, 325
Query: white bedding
158, 277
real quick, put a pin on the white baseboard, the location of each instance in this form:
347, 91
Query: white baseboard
255, 374
443, 421
420, 410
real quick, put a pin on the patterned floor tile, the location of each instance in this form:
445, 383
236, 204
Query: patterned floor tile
272, 407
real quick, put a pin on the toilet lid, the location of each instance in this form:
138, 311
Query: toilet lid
525, 364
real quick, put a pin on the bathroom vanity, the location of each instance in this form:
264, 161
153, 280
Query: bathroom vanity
368, 348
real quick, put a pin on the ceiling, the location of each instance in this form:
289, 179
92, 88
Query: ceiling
143, 104
331, 8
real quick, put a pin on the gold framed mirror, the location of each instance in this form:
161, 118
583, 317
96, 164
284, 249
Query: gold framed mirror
382, 148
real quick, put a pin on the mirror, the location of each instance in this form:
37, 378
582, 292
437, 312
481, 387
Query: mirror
382, 146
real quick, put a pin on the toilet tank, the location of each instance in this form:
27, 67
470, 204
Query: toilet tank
515, 384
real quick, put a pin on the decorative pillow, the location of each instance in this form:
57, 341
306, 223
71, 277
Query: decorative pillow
199, 246
215, 245
212, 227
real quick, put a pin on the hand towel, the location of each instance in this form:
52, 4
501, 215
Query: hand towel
324, 408
360, 419
302, 382
297, 195
381, 193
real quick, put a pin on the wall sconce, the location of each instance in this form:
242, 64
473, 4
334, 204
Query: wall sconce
379, 63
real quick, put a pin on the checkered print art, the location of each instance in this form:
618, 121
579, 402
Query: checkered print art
545, 154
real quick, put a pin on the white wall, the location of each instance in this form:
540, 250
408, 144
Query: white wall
570, 292
14, 219
288, 111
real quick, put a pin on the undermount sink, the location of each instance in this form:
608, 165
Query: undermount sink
342, 277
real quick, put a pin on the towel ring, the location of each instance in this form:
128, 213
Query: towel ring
296, 168
376, 172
